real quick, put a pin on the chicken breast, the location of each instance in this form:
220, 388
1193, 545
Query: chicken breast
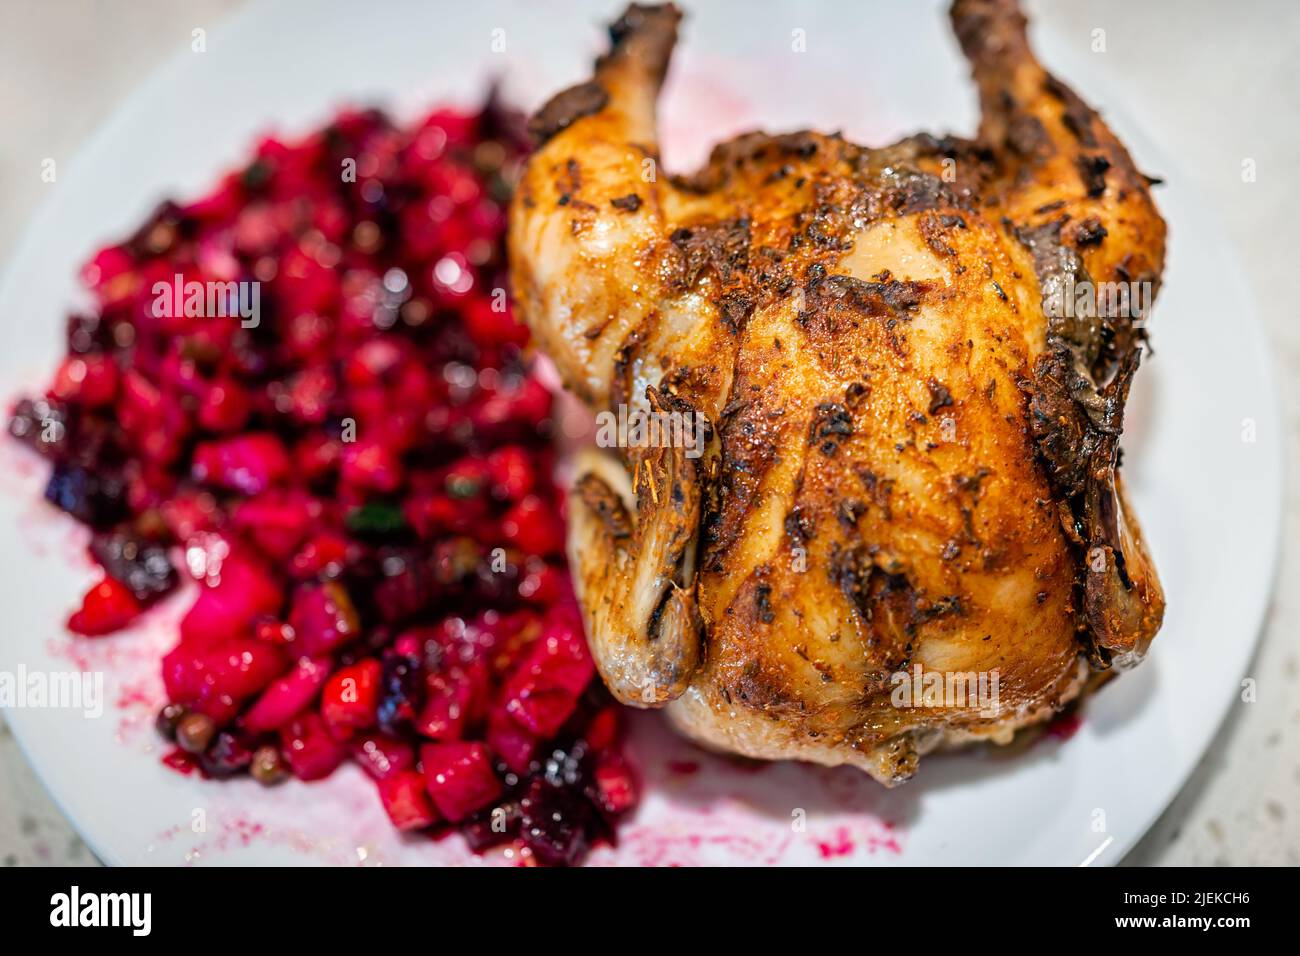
901, 375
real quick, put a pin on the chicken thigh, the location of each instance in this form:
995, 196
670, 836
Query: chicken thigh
909, 387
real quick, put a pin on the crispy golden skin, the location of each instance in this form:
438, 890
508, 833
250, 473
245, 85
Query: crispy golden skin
912, 452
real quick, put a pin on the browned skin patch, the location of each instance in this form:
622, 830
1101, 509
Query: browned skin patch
564, 108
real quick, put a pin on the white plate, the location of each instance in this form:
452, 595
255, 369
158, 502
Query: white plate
1209, 500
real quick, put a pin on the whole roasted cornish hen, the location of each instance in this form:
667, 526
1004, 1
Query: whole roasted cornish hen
913, 390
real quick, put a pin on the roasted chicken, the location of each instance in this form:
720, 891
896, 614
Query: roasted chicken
912, 388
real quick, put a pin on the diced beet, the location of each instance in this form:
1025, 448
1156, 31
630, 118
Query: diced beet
492, 327
91, 381
460, 778
534, 527
183, 672
277, 523
350, 700
406, 801
453, 128
556, 823
323, 554
242, 590
544, 690
216, 681
511, 742
105, 272
248, 463
288, 696
443, 714
316, 457
245, 668
214, 616
382, 756
107, 607
225, 407
323, 618
454, 698
248, 667
545, 584
518, 410
512, 472
140, 405
371, 466
305, 285
309, 749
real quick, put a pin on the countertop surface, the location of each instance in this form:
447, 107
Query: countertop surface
1220, 84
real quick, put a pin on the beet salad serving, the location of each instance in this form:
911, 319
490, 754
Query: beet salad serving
306, 391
